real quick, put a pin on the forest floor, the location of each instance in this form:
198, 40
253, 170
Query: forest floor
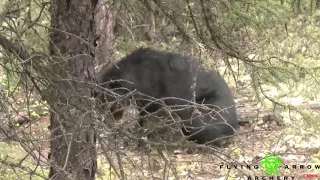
260, 133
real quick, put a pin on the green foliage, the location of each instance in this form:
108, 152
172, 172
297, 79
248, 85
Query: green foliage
34, 107
125, 45
12, 154
293, 68
9, 82
254, 16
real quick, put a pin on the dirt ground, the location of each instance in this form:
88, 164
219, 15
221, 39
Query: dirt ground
258, 135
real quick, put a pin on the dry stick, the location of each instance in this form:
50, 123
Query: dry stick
123, 177
13, 165
39, 158
164, 170
109, 159
170, 165
150, 166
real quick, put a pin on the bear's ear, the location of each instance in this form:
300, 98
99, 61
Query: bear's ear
112, 84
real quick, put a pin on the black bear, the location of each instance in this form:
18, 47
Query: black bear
177, 80
221, 118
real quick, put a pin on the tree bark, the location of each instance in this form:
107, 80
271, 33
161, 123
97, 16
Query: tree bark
72, 34
105, 19
149, 28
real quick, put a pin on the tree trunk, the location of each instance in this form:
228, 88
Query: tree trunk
105, 19
73, 154
149, 28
